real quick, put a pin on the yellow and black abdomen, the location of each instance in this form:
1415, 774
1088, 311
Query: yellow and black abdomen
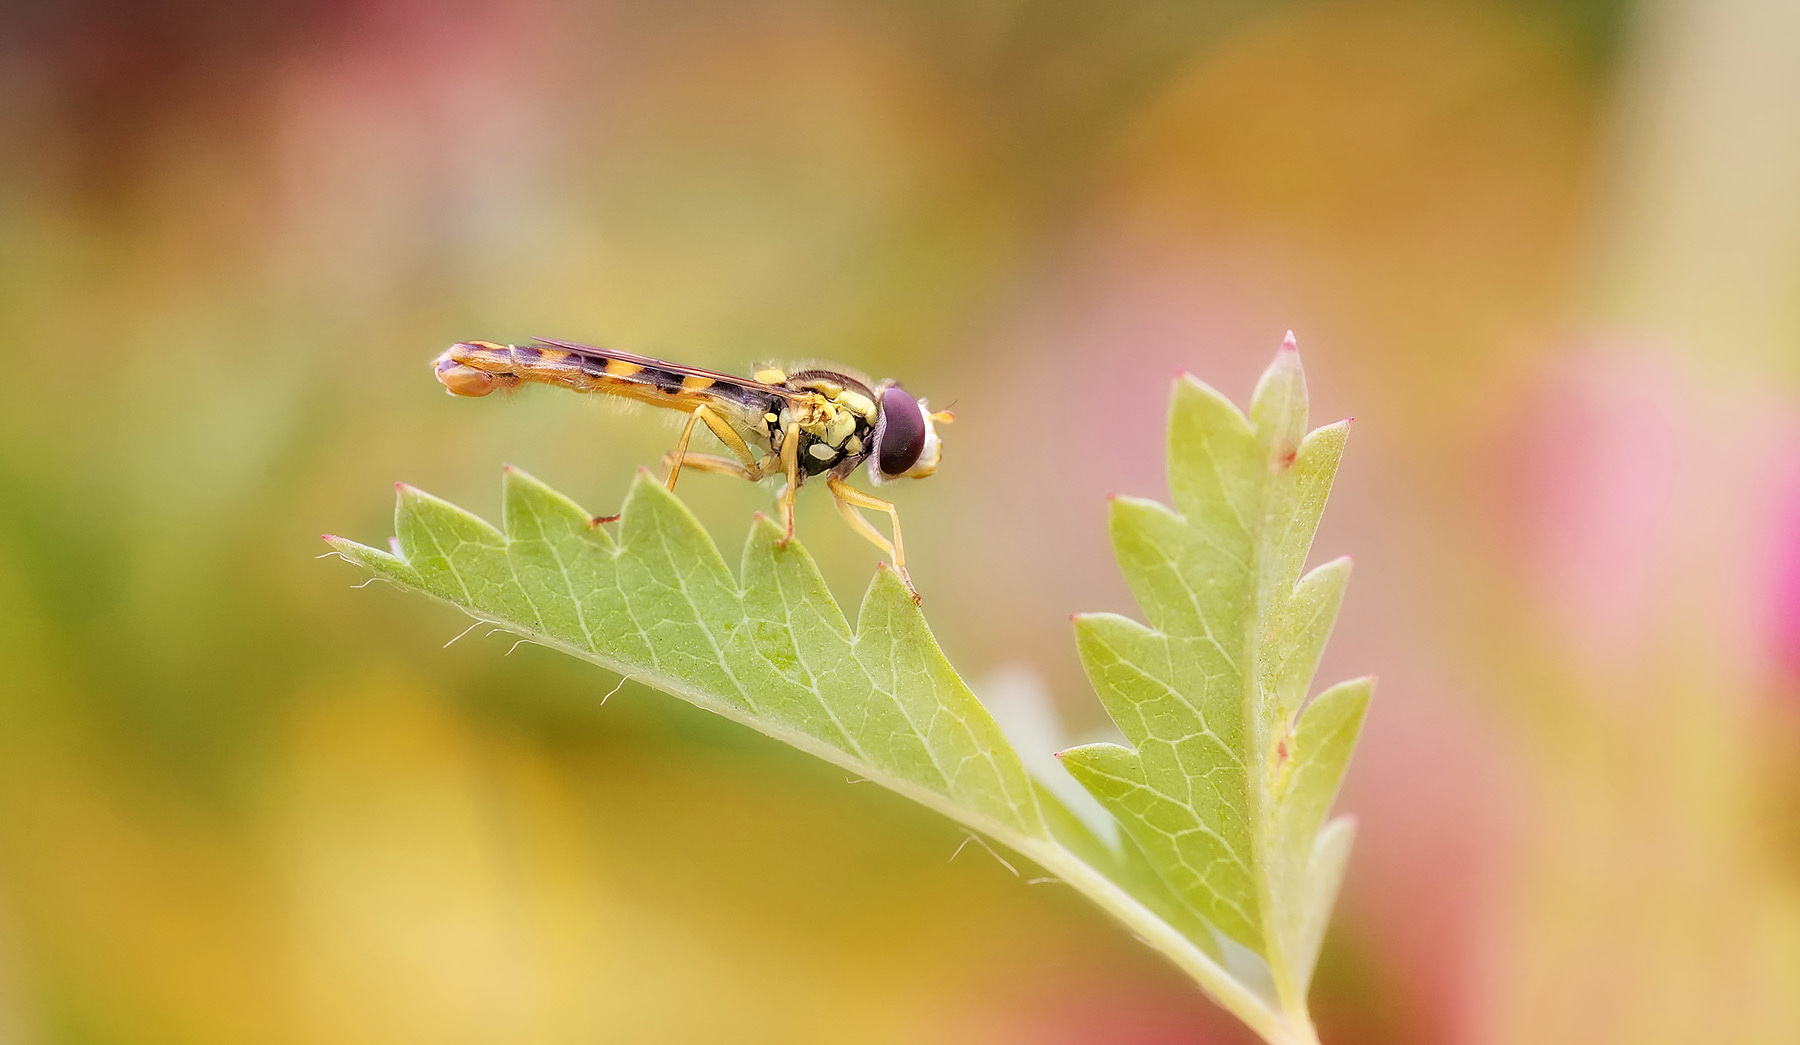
476, 368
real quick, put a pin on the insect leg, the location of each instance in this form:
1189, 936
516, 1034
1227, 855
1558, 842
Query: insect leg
713, 463
849, 499
678, 458
677, 455
733, 442
790, 466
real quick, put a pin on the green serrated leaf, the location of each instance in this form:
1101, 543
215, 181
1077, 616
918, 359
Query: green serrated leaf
1227, 783
1225, 864
658, 603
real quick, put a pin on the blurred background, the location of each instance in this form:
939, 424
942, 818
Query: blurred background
1547, 252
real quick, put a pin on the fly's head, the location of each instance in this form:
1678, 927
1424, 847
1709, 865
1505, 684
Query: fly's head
905, 442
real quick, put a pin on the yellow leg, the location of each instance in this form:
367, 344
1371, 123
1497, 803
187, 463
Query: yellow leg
790, 467
714, 463
678, 457
848, 499
728, 435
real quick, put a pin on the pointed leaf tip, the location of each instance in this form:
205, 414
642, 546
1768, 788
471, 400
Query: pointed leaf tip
384, 564
531, 510
1288, 344
1278, 406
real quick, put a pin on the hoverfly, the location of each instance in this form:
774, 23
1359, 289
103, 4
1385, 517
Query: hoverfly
795, 424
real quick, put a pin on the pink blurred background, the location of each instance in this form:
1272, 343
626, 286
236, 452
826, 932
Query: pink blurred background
1548, 254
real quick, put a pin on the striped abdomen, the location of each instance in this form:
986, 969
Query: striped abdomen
476, 368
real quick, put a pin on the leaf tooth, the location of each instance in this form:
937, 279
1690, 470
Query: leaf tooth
1215, 463
660, 536
441, 541
794, 670
888, 601
1323, 740
1202, 869
895, 647
1127, 664
1202, 402
1179, 569
1278, 407
674, 594
1300, 503
1114, 775
1300, 628
531, 510
1324, 876
1105, 759
1304, 864
1319, 453
414, 507
782, 581
375, 560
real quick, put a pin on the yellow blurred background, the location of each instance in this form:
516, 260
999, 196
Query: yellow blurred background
1548, 252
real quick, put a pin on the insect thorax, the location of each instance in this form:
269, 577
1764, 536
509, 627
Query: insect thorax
836, 420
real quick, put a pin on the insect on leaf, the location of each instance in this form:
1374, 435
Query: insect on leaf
1226, 863
657, 602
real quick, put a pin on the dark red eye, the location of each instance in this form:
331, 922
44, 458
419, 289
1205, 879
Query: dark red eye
901, 438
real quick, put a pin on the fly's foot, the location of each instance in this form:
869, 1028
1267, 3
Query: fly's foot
905, 578
910, 590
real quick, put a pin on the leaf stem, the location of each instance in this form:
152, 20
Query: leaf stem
1276, 1028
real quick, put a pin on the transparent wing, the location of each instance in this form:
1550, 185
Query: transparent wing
649, 365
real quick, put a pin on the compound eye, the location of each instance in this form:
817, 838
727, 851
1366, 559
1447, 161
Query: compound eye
902, 436
465, 380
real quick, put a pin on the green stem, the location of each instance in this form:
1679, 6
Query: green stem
1276, 1028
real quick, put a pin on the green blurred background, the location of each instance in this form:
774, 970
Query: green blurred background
1548, 252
